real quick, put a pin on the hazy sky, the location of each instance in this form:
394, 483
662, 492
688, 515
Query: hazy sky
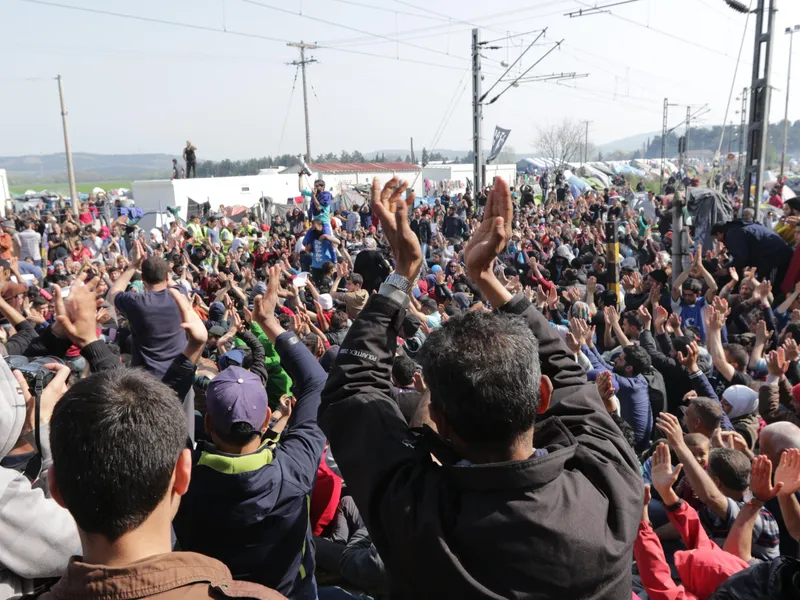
143, 86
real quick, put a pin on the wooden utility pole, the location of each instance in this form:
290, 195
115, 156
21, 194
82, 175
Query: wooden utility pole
302, 64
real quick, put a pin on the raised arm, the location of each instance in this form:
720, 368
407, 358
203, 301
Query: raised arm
703, 486
713, 322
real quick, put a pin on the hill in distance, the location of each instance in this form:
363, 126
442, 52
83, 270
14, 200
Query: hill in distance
88, 167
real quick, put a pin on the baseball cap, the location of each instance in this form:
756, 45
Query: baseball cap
325, 301
231, 358
436, 268
236, 396
216, 331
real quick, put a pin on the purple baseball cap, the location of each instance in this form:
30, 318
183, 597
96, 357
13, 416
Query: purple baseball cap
236, 396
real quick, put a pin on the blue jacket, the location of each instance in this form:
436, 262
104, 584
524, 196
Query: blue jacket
633, 394
251, 511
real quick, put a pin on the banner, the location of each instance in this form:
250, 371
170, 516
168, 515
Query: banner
500, 137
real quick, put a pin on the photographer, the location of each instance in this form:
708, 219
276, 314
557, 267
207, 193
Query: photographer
37, 536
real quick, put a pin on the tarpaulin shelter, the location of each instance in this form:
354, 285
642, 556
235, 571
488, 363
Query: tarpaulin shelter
707, 207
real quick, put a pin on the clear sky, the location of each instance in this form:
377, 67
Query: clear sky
139, 85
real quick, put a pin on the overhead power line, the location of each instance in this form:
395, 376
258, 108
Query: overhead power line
511, 66
350, 28
545, 55
596, 10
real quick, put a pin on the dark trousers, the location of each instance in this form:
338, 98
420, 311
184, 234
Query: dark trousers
191, 170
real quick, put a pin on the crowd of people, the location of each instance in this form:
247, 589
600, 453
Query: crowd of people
401, 399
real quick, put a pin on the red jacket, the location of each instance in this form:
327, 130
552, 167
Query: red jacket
702, 568
325, 497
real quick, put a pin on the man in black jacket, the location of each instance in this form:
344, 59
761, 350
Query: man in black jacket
510, 512
422, 229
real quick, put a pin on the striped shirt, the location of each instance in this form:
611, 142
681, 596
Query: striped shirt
766, 535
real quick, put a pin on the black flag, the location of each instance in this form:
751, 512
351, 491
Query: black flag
500, 137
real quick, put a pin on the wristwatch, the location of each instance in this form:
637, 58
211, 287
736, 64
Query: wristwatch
397, 288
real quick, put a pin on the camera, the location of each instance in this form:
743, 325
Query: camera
36, 368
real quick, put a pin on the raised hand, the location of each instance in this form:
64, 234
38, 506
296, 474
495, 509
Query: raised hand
689, 361
264, 306
196, 332
734, 274
661, 316
761, 479
762, 333
674, 321
605, 387
669, 424
662, 474
788, 472
776, 362
790, 349
392, 210
77, 316
611, 315
644, 317
491, 238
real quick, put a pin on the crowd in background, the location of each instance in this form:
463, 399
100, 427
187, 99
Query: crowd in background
474, 398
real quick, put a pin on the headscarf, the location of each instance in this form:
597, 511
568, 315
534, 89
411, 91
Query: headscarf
742, 399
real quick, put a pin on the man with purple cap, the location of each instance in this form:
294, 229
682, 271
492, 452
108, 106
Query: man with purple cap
247, 504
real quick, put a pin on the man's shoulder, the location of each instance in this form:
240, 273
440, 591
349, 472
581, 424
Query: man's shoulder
243, 589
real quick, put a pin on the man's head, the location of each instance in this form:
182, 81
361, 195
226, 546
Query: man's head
317, 224
174, 161
703, 415
700, 447
154, 271
746, 289
631, 324
237, 410
119, 454
718, 231
484, 377
737, 356
632, 361
338, 320
690, 291
417, 213
730, 470
354, 282
777, 437
403, 371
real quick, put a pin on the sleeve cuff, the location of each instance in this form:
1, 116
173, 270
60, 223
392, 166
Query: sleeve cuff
674, 507
516, 306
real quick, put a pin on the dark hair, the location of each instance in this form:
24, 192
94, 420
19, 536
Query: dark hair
484, 376
681, 343
739, 356
625, 429
695, 439
637, 358
356, 279
240, 434
403, 370
116, 437
328, 267
154, 270
338, 320
692, 285
708, 411
633, 319
731, 467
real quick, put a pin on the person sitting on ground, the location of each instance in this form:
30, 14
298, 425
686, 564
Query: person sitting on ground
455, 530
248, 503
101, 431
724, 490
702, 567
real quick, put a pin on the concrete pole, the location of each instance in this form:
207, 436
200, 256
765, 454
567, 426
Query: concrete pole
73, 192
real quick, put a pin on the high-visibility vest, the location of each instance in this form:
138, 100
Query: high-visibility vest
197, 232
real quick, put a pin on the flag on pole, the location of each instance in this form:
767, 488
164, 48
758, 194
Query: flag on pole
500, 137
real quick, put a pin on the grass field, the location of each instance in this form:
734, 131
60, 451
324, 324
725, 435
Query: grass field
63, 188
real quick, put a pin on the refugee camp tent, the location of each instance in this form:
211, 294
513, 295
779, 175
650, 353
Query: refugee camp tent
587, 171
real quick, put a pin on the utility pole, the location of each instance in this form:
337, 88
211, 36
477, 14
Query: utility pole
760, 98
790, 31
688, 129
302, 64
413, 158
586, 143
73, 192
664, 118
740, 163
477, 113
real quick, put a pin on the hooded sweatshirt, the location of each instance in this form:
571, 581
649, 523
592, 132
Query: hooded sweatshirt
37, 536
